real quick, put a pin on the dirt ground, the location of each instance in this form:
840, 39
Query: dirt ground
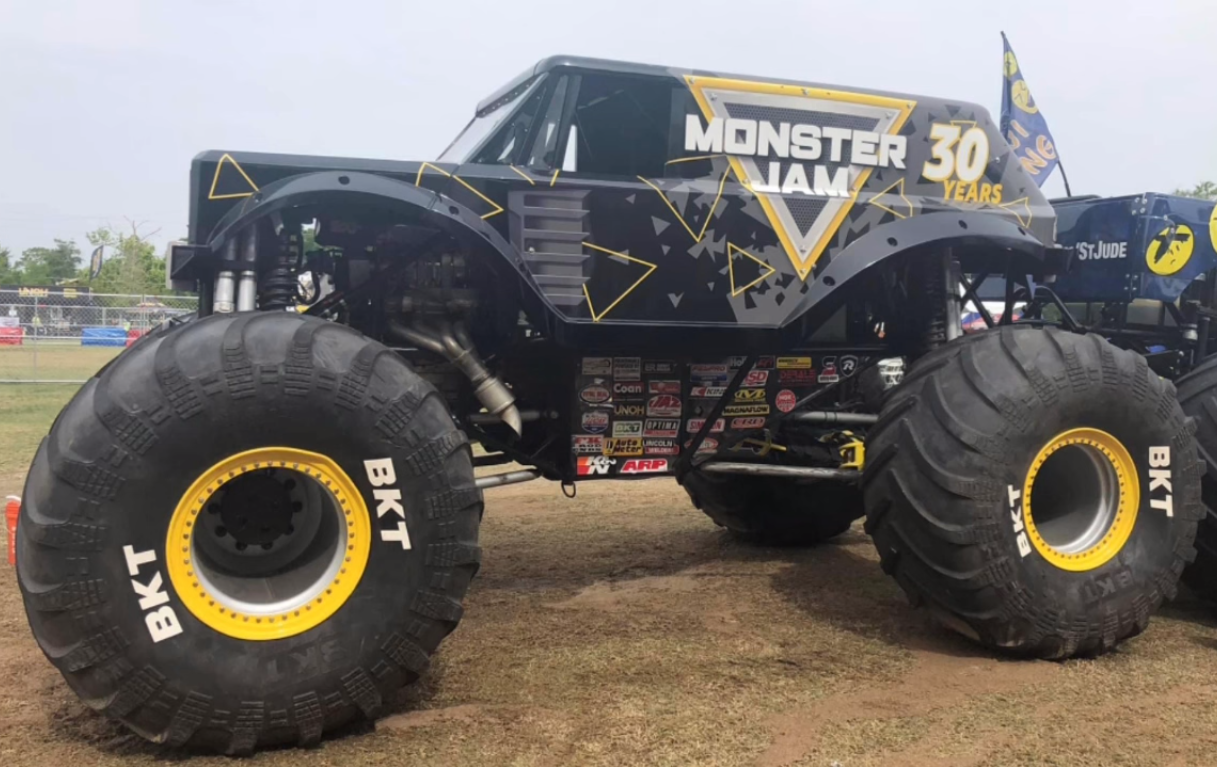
623, 628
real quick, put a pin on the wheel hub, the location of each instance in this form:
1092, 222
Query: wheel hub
268, 543
256, 509
1080, 499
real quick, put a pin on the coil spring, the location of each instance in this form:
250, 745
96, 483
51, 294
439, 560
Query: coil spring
278, 287
934, 297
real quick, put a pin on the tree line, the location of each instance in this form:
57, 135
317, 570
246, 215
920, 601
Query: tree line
130, 264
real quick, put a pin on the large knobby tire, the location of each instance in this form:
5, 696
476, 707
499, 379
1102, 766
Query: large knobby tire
1198, 396
247, 531
1037, 490
775, 511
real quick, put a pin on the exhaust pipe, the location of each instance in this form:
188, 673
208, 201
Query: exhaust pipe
454, 344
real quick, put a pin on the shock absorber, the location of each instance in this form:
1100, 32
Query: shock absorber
939, 283
279, 290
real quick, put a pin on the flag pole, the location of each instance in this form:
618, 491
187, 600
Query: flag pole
1064, 177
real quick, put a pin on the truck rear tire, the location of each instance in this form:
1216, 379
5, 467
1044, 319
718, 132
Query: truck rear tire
1037, 490
247, 531
775, 511
1198, 396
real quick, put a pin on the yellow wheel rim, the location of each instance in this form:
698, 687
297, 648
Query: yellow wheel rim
340, 563
1087, 492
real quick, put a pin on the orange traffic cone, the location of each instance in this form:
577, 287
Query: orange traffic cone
11, 510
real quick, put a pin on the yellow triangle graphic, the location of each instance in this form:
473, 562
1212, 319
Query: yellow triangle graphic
1021, 208
215, 181
768, 270
903, 208
597, 316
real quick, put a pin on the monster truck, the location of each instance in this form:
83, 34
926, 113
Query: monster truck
1144, 276
254, 526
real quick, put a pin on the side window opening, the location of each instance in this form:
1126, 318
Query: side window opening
545, 147
508, 143
620, 126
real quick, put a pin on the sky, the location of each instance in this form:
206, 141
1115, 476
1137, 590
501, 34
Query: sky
105, 102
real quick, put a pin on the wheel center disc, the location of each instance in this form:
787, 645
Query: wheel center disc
1081, 498
257, 509
268, 543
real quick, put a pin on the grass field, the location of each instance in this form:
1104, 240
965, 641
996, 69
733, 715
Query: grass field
623, 628
53, 360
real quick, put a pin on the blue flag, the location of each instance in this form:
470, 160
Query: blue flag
1022, 123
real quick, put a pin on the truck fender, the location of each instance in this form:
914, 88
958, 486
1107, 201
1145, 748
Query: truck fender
422, 205
962, 229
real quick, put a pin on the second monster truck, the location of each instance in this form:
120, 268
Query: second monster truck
256, 525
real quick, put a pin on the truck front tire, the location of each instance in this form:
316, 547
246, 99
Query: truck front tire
247, 531
1037, 490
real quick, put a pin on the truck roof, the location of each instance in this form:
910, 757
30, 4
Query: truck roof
633, 68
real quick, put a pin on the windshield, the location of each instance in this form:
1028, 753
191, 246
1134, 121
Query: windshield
485, 124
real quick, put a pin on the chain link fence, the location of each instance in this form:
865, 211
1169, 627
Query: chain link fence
63, 335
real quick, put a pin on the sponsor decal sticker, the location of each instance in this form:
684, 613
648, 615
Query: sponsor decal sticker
849, 365
746, 410
1094, 251
623, 446
595, 394
664, 406
764, 363
752, 422
797, 377
660, 447
709, 445
644, 466
596, 464
736, 361
755, 378
629, 410
828, 374
707, 392
595, 422
714, 372
659, 367
661, 428
694, 425
597, 366
627, 429
627, 368
581, 443
750, 395
628, 388
664, 387
794, 363
785, 401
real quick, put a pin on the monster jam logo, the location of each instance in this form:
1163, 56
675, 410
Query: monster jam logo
805, 172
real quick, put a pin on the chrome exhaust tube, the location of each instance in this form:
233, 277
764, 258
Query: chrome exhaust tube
455, 345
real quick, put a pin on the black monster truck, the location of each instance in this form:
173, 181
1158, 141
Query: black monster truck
254, 526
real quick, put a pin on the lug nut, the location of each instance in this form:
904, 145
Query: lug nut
221, 531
